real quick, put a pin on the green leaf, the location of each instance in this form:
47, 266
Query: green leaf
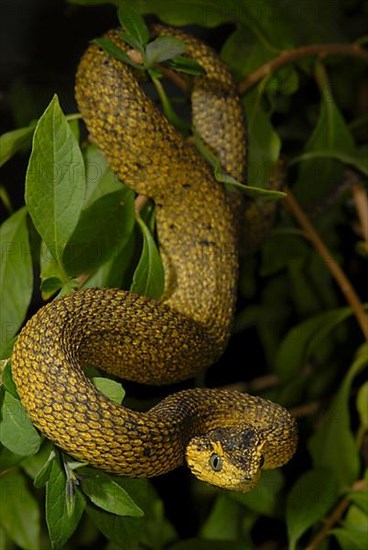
16, 277
117, 271
303, 339
44, 473
243, 53
17, 432
185, 65
361, 402
185, 12
265, 498
5, 542
88, 248
61, 519
117, 528
251, 191
330, 134
154, 531
112, 389
32, 464
8, 382
354, 533
349, 539
50, 286
20, 515
148, 278
333, 445
355, 161
14, 141
100, 179
136, 31
163, 48
117, 53
281, 249
157, 530
55, 181
356, 519
310, 498
264, 143
360, 498
107, 494
53, 276
223, 521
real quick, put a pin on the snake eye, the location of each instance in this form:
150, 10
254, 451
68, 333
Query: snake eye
261, 461
216, 462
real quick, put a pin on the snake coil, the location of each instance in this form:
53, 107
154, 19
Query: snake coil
227, 437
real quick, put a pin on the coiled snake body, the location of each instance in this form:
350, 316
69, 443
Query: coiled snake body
226, 436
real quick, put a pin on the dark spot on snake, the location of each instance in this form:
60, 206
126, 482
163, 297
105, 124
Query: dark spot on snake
205, 242
186, 186
148, 451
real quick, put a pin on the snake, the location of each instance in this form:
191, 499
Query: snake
225, 437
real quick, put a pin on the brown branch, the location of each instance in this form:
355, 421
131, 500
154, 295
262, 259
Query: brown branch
257, 384
174, 77
288, 56
139, 203
335, 516
335, 270
306, 409
360, 199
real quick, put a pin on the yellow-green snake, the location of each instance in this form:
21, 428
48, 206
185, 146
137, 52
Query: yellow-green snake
225, 436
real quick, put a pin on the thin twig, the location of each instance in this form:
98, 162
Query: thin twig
335, 516
139, 203
360, 199
288, 56
335, 270
174, 77
306, 409
256, 385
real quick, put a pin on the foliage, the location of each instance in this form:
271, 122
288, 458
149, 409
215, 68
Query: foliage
309, 112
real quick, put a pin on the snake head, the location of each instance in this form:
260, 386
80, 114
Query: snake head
230, 458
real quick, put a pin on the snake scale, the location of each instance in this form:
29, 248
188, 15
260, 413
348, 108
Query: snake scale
225, 436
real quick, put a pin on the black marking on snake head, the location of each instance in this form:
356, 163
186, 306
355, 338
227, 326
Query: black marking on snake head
236, 439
